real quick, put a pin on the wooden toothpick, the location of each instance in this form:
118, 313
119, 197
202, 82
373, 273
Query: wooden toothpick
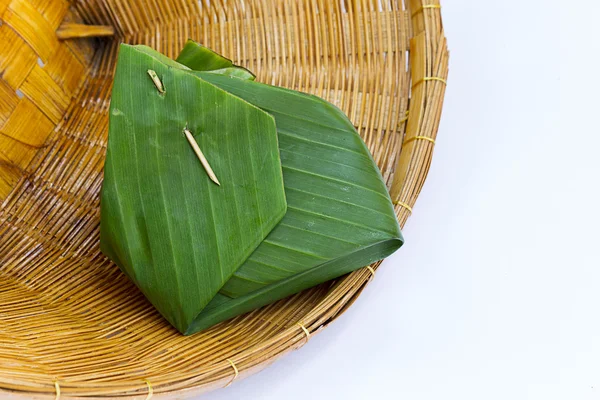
200, 155
156, 81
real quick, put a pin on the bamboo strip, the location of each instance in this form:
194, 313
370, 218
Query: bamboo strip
71, 31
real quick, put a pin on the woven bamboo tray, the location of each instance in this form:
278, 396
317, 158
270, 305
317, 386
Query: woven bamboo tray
71, 324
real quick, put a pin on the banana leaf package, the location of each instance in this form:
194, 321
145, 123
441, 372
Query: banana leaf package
298, 199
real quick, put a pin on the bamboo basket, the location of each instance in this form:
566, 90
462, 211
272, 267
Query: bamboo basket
71, 324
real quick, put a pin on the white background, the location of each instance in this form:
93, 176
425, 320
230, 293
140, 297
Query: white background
496, 294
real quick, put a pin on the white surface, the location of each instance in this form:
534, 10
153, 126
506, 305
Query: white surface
496, 293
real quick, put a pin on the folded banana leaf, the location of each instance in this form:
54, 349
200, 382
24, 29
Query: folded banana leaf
174, 232
339, 216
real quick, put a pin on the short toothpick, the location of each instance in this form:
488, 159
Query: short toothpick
157, 81
200, 155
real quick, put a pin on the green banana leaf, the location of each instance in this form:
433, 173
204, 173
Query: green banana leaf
339, 216
200, 58
235, 72
174, 232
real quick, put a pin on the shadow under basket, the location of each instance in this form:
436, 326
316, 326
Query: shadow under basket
71, 324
